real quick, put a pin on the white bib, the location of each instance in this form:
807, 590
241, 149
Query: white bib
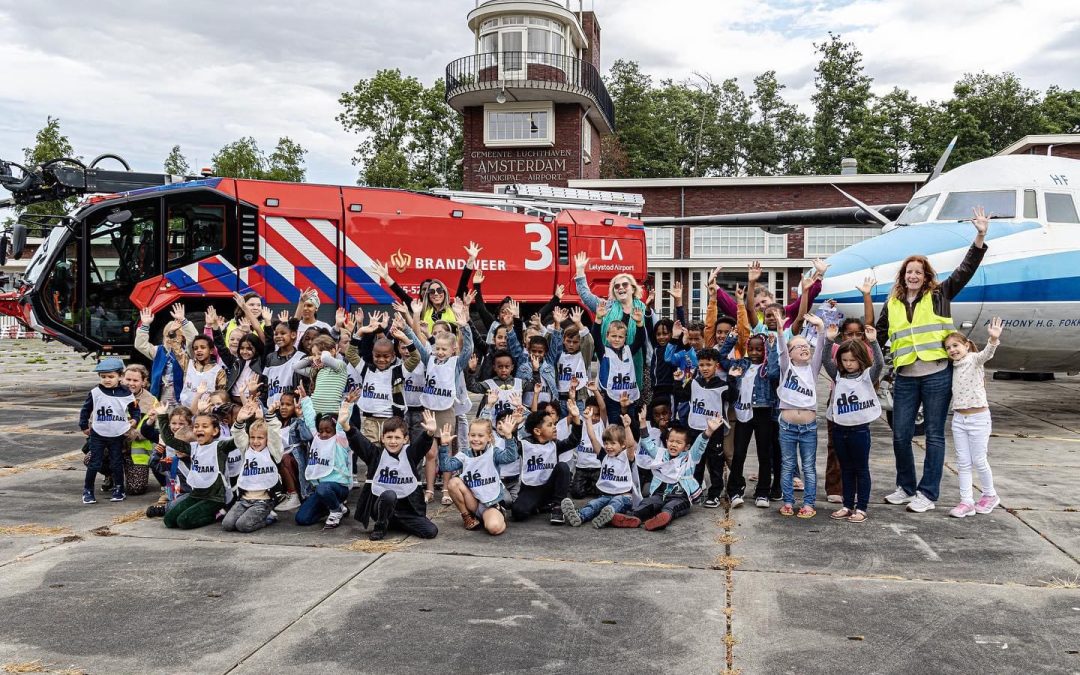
704, 405
258, 472
193, 378
513, 469
204, 469
481, 476
584, 455
502, 403
620, 375
537, 462
279, 379
109, 417
376, 393
527, 396
234, 463
440, 387
615, 478
569, 367
394, 473
744, 405
286, 435
672, 469
654, 434
320, 458
798, 388
415, 382
854, 400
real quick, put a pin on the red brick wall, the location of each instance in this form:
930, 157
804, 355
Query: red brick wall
592, 169
567, 148
591, 27
1071, 150
704, 201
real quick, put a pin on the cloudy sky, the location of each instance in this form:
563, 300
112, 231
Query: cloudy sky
137, 77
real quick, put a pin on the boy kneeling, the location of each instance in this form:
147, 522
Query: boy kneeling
673, 486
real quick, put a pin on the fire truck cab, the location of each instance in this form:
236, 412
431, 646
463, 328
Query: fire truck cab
199, 241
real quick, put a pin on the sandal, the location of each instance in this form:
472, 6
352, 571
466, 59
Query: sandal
446, 501
807, 511
429, 496
857, 517
842, 514
787, 510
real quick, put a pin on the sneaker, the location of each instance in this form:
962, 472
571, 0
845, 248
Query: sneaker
834, 499
557, 517
271, 517
88, 497
470, 521
762, 502
569, 512
163, 500
775, 495
379, 533
219, 516
962, 510
334, 519
898, 497
155, 511
712, 503
290, 503
117, 494
623, 520
986, 504
659, 521
920, 504
606, 515
737, 501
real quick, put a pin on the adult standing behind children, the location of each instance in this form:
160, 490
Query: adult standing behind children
916, 320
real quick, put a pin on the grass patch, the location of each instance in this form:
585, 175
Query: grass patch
1055, 582
367, 546
102, 531
33, 529
726, 562
726, 539
25, 667
129, 517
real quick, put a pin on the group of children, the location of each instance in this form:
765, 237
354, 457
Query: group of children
266, 413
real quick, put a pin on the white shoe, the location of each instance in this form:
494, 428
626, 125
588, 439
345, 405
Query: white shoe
762, 502
290, 503
920, 504
736, 501
898, 497
835, 499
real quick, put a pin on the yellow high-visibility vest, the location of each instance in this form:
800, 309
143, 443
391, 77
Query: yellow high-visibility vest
922, 337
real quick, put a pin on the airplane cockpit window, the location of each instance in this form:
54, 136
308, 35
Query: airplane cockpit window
996, 203
917, 210
1060, 208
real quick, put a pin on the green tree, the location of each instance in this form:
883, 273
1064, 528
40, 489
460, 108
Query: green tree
643, 131
286, 162
243, 159
727, 126
1061, 110
411, 138
778, 135
1002, 107
176, 164
841, 98
49, 144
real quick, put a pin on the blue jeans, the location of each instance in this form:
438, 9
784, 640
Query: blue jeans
798, 441
621, 504
852, 447
105, 449
934, 392
317, 506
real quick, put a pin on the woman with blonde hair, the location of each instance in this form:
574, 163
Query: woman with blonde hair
916, 319
169, 359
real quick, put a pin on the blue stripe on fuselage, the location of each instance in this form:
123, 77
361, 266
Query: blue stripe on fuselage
923, 239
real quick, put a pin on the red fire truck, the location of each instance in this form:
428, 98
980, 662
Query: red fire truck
197, 241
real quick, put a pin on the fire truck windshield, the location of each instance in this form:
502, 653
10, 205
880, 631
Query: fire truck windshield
86, 293
36, 265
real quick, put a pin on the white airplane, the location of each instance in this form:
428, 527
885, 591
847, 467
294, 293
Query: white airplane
1030, 276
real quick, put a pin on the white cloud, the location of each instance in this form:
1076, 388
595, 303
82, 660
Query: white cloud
135, 78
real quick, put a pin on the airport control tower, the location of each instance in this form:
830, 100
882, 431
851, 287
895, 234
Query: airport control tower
533, 103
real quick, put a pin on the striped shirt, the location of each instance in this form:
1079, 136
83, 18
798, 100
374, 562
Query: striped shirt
329, 385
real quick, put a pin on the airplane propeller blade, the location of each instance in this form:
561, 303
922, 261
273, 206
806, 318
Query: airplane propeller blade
941, 161
869, 210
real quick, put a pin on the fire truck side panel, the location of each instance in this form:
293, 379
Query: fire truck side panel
300, 241
419, 238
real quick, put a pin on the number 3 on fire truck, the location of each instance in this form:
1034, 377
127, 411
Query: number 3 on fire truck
541, 246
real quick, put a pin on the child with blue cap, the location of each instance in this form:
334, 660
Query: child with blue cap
105, 418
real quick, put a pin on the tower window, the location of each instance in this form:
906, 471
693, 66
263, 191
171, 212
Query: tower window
519, 124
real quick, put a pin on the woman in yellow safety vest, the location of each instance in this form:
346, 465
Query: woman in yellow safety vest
916, 319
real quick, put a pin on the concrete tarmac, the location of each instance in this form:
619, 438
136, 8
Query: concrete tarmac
102, 589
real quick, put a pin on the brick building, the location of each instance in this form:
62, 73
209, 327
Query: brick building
533, 103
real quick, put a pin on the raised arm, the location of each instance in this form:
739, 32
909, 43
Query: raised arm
960, 276
581, 284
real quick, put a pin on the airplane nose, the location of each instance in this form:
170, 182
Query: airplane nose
847, 269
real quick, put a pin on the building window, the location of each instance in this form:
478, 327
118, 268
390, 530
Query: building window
660, 242
586, 141
824, 241
542, 40
736, 242
662, 303
519, 124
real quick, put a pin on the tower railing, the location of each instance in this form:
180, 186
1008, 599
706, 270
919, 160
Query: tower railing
529, 70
